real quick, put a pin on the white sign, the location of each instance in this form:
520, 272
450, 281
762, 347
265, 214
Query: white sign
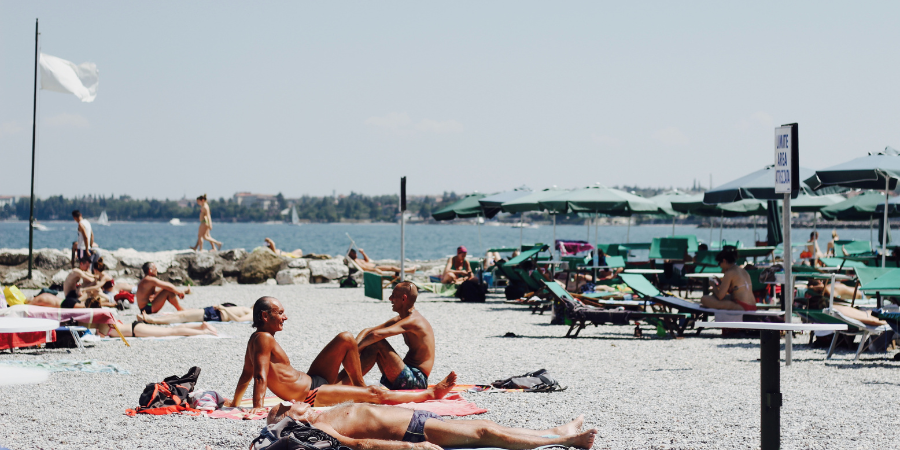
783, 147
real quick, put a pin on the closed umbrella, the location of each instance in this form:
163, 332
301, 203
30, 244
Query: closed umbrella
875, 171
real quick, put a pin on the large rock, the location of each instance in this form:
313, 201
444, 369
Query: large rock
109, 260
201, 263
297, 263
132, 258
292, 276
51, 259
38, 280
235, 254
10, 257
330, 269
261, 265
60, 277
176, 275
13, 276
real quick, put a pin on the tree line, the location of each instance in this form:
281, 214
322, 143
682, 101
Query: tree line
359, 207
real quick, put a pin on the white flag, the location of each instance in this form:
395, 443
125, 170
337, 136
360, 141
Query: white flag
59, 75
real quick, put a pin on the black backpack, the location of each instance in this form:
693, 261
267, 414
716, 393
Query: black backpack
537, 381
288, 434
472, 290
170, 396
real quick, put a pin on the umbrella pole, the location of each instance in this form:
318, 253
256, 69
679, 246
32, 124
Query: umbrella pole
478, 225
588, 223
721, 225
755, 238
521, 226
628, 233
554, 252
710, 230
887, 224
596, 231
673, 226
815, 221
871, 238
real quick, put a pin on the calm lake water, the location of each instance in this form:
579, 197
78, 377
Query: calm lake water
380, 241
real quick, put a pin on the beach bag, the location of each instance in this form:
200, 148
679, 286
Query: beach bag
514, 291
170, 396
537, 381
13, 296
288, 434
472, 290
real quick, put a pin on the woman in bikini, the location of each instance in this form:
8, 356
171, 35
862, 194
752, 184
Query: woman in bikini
205, 226
138, 329
735, 290
457, 269
813, 253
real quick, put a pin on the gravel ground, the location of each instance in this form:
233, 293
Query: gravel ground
697, 392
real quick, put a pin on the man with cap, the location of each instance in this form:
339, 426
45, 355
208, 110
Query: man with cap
457, 269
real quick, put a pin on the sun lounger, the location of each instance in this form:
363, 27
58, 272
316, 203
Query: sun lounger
854, 327
645, 289
581, 314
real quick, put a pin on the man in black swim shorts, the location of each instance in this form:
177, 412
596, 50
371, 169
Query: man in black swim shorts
381, 427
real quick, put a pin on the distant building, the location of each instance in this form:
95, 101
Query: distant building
250, 200
10, 199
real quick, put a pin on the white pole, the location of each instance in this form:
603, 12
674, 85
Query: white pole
721, 225
596, 230
872, 244
588, 223
521, 226
887, 224
628, 233
555, 252
402, 245
478, 225
788, 288
673, 225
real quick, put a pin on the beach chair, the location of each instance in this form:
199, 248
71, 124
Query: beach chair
580, 314
369, 279
697, 313
854, 327
514, 276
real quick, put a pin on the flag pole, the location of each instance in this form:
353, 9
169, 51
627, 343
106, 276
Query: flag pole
33, 135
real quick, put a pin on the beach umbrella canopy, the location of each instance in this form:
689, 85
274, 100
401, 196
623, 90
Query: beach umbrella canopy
759, 185
494, 202
814, 203
601, 199
693, 204
463, 208
866, 172
531, 201
664, 201
860, 207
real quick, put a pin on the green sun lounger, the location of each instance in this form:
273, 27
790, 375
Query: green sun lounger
581, 314
671, 249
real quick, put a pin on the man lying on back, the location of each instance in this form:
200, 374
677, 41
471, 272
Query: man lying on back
374, 427
266, 363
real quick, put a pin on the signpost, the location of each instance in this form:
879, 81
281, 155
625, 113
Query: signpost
402, 227
787, 182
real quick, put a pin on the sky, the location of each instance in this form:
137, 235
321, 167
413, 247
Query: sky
320, 97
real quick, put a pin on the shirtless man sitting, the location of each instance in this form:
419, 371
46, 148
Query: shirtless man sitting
72, 285
374, 427
412, 371
266, 363
735, 290
226, 312
153, 293
367, 265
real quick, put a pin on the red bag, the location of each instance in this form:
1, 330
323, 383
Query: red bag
168, 397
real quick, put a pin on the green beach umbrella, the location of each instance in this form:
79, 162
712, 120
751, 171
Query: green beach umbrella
814, 203
874, 171
532, 202
464, 208
759, 185
494, 203
864, 206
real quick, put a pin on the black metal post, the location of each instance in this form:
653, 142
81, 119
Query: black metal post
33, 135
770, 389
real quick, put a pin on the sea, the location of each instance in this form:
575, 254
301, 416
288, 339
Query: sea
379, 240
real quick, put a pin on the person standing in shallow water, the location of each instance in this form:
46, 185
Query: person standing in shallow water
205, 226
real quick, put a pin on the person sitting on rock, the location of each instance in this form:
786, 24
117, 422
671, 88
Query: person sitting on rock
458, 268
153, 293
294, 254
367, 265
268, 366
380, 427
226, 312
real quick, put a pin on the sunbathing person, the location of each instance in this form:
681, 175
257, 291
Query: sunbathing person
153, 293
841, 290
73, 283
734, 290
138, 329
458, 269
226, 312
367, 265
376, 427
294, 254
268, 366
411, 371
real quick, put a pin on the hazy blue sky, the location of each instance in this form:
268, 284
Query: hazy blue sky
304, 98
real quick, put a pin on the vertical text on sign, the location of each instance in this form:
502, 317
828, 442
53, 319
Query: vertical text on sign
783, 160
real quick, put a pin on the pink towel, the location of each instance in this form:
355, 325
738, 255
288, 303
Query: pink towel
572, 247
88, 315
451, 405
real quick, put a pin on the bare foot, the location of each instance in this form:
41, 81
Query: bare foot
187, 291
209, 329
572, 427
443, 387
583, 440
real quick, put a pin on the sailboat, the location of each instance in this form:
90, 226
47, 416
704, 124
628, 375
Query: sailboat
176, 222
38, 226
295, 219
103, 220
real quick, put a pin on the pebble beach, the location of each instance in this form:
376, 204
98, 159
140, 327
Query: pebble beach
642, 393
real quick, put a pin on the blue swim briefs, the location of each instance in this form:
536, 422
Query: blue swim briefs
409, 378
